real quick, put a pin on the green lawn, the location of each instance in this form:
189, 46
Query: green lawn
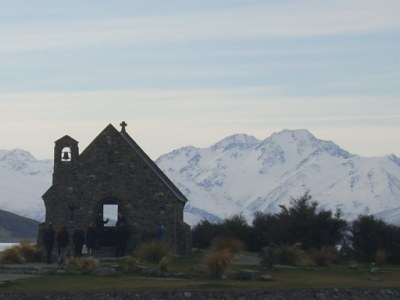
323, 277
336, 276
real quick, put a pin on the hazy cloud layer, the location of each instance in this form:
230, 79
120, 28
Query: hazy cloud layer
191, 72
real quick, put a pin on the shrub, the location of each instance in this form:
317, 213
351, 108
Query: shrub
32, 253
231, 243
323, 256
302, 221
267, 257
291, 255
381, 256
74, 262
164, 263
217, 262
12, 255
204, 232
369, 235
237, 227
130, 264
153, 252
131, 261
21, 253
85, 264
89, 264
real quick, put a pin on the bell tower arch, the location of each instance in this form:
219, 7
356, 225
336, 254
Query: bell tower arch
66, 153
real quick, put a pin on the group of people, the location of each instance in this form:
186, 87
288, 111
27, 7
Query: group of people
93, 238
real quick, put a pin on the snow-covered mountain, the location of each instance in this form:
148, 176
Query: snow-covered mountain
23, 180
241, 174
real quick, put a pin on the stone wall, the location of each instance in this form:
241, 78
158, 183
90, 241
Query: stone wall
271, 294
114, 170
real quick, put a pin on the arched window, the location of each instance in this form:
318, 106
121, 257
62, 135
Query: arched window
66, 154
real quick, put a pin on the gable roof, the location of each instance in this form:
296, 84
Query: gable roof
145, 158
152, 165
67, 138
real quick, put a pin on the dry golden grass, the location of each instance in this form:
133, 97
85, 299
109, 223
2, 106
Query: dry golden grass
153, 252
217, 262
21, 253
84, 264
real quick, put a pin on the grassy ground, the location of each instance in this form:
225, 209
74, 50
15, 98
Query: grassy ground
338, 276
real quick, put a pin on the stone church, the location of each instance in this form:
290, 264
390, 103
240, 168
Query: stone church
114, 173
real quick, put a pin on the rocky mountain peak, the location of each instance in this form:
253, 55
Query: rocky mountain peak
16, 159
238, 141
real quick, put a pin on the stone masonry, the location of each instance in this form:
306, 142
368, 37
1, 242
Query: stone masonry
114, 170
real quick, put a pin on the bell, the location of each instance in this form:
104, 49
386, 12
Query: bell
65, 156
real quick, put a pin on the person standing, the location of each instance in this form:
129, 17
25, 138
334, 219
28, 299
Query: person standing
100, 230
161, 231
63, 241
121, 239
120, 219
78, 238
91, 239
48, 241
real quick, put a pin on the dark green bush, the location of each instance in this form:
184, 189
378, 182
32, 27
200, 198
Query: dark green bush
369, 235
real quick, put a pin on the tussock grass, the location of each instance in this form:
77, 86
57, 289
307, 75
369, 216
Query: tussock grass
291, 255
323, 257
153, 252
21, 253
217, 262
84, 264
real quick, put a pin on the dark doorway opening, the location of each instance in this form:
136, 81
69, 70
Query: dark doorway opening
110, 216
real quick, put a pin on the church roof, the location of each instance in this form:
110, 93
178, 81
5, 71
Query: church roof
67, 138
152, 165
144, 157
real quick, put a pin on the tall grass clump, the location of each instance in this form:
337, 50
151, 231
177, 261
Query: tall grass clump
291, 255
12, 255
21, 253
153, 252
31, 252
324, 256
164, 263
130, 264
217, 262
84, 264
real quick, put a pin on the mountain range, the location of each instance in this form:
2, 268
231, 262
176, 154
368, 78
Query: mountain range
241, 174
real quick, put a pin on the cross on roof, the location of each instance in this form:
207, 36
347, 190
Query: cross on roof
123, 125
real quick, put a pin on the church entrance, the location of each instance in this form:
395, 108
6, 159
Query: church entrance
110, 217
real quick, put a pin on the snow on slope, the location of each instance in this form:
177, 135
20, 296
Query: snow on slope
243, 175
23, 180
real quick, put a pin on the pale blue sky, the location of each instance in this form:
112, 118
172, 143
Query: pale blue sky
192, 72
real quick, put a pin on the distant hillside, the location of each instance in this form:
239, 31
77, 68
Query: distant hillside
14, 228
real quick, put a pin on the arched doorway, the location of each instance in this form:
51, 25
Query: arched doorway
108, 211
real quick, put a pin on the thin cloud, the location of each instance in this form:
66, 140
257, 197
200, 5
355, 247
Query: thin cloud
294, 19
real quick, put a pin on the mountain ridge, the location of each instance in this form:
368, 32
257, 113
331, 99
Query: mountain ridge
287, 164
241, 174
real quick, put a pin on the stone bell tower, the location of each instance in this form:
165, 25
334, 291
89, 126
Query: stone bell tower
66, 155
